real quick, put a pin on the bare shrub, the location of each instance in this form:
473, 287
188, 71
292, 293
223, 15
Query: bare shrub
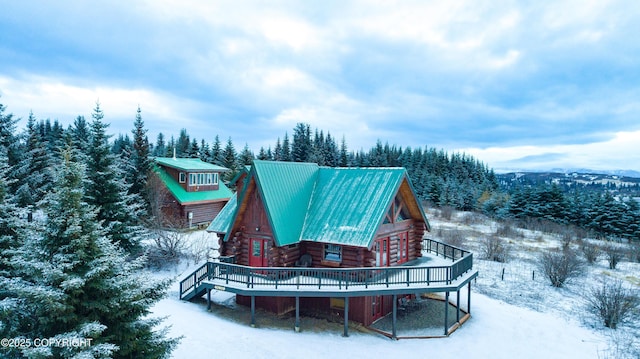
543, 225
580, 233
167, 248
612, 302
567, 239
471, 218
560, 266
590, 251
453, 237
495, 249
614, 254
446, 212
634, 252
507, 230
202, 247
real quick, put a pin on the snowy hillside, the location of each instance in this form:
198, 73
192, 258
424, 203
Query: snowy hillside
515, 314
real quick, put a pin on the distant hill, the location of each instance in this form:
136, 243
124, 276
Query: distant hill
615, 182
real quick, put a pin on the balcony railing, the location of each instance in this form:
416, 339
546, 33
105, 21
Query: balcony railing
266, 278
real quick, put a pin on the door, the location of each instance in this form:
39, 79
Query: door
258, 252
382, 252
376, 307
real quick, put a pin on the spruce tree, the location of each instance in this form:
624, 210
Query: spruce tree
10, 239
183, 144
140, 161
10, 142
246, 156
34, 167
160, 148
230, 160
217, 157
75, 284
107, 191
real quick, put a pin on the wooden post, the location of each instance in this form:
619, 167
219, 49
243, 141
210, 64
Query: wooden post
458, 306
208, 298
297, 326
469, 298
346, 317
446, 313
253, 311
394, 317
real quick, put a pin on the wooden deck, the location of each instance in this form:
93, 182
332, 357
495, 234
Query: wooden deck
442, 268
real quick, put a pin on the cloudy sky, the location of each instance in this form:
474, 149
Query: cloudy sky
518, 84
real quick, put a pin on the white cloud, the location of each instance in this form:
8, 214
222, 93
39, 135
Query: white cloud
64, 102
619, 152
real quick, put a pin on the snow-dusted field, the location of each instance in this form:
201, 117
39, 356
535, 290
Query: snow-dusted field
518, 317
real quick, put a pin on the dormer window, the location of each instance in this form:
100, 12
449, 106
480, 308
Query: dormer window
183, 177
203, 179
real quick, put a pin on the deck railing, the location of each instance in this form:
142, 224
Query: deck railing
336, 278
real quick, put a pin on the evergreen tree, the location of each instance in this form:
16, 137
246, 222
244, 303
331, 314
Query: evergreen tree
79, 134
302, 146
10, 225
194, 149
107, 190
74, 284
10, 142
160, 149
205, 151
277, 152
140, 161
343, 161
246, 156
34, 167
217, 157
183, 144
230, 160
264, 155
286, 149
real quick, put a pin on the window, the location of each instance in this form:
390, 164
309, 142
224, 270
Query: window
183, 177
403, 247
203, 179
332, 252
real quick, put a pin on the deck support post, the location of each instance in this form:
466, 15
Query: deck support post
346, 317
253, 311
394, 317
469, 298
297, 326
458, 305
446, 313
208, 298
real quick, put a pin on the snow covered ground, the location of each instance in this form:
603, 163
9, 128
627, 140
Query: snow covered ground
519, 317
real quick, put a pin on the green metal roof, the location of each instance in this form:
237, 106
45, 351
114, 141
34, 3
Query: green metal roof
185, 197
306, 202
349, 204
286, 189
189, 164
223, 220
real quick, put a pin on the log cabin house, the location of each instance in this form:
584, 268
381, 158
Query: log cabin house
300, 214
348, 241
192, 192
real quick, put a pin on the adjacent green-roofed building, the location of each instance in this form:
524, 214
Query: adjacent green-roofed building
189, 191
347, 217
